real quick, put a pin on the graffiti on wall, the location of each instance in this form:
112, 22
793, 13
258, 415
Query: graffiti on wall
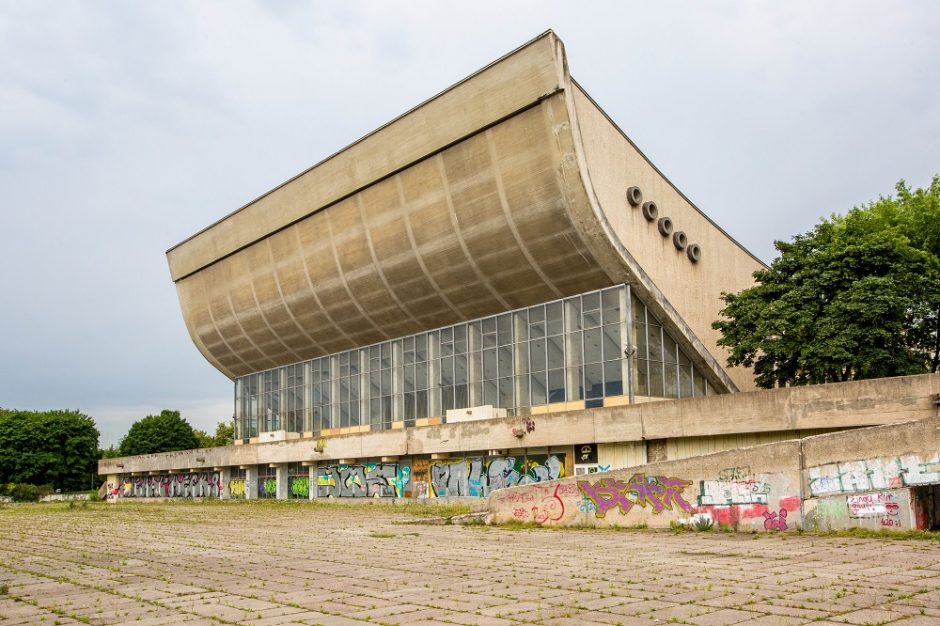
478, 476
660, 493
729, 492
267, 487
884, 506
298, 486
874, 474
237, 487
420, 471
189, 485
775, 521
371, 480
541, 503
884, 509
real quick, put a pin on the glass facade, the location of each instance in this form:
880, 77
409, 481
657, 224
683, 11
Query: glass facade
579, 349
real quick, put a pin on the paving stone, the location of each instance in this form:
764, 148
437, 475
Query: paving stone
870, 616
722, 617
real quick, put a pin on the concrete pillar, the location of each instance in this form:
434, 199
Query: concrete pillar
312, 473
251, 482
225, 475
113, 483
281, 475
656, 450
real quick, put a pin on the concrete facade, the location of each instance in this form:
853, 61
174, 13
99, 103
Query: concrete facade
502, 249
424, 461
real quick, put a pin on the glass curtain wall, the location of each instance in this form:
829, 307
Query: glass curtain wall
581, 349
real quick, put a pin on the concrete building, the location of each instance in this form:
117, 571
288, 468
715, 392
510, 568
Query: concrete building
495, 288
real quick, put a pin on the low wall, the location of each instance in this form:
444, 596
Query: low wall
59, 497
749, 488
880, 477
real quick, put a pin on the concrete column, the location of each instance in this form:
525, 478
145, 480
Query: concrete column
113, 482
281, 475
251, 482
312, 473
225, 475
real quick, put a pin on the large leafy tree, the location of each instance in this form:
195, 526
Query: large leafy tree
224, 435
857, 297
159, 433
58, 448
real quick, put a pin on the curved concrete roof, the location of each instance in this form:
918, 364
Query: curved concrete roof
506, 190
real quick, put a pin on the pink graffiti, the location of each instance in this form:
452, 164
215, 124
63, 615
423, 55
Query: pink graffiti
568, 489
660, 492
775, 521
550, 509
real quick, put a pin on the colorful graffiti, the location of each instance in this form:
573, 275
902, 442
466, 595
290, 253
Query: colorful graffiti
298, 486
237, 487
189, 485
267, 487
873, 474
658, 492
478, 476
371, 480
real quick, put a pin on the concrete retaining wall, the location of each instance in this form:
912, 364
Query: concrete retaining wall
880, 477
750, 488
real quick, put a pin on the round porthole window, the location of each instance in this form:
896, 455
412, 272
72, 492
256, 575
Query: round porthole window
650, 211
694, 252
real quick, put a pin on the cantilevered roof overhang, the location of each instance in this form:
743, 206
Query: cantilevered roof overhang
506, 190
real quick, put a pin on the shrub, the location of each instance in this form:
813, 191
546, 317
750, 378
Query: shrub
25, 493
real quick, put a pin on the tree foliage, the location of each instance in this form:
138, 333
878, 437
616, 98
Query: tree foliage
857, 297
57, 448
224, 435
159, 433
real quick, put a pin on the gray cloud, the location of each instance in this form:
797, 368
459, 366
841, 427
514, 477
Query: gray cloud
124, 128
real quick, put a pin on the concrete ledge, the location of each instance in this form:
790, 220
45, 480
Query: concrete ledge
853, 404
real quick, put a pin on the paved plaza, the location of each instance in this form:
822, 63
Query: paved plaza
287, 563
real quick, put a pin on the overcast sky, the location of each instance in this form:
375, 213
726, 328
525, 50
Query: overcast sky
126, 127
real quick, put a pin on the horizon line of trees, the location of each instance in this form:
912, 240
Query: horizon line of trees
59, 449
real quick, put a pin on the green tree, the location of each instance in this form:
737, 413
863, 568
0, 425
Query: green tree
57, 448
224, 435
857, 297
159, 433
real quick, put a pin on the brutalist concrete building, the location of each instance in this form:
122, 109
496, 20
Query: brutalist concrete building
495, 288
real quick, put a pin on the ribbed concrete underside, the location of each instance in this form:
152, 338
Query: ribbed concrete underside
476, 229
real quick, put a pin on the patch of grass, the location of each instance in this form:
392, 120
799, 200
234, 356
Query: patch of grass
4, 590
867, 533
381, 534
422, 509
